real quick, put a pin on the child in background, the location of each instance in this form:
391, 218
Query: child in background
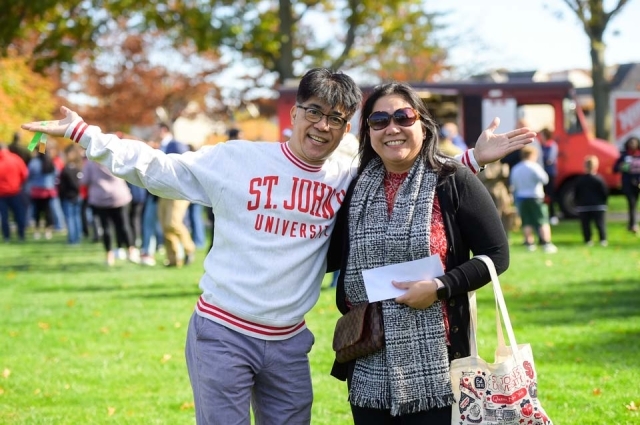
527, 180
591, 201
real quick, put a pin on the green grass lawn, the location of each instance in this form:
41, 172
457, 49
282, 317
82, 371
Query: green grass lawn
84, 344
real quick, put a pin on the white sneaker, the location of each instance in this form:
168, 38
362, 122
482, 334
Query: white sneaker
550, 248
134, 256
111, 259
36, 235
121, 253
604, 243
147, 260
589, 243
531, 247
554, 221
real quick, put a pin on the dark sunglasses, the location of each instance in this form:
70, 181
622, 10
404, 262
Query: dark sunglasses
404, 117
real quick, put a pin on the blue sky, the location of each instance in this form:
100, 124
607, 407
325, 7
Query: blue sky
524, 35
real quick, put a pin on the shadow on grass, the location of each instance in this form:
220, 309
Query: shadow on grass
614, 246
127, 288
80, 267
613, 350
595, 300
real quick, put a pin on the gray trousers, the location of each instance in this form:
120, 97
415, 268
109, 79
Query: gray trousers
230, 371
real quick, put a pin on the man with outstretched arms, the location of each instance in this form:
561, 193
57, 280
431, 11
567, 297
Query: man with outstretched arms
275, 207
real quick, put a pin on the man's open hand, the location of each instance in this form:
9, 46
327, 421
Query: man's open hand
53, 128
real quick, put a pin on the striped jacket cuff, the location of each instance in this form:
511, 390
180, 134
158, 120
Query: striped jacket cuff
76, 129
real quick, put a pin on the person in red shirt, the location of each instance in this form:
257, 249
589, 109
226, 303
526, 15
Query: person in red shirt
14, 174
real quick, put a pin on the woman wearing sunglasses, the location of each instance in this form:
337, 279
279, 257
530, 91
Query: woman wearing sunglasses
410, 202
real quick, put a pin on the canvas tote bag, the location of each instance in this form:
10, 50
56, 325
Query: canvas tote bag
500, 393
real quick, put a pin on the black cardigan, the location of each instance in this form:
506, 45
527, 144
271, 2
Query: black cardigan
472, 224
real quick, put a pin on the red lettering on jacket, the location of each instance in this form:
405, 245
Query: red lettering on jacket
289, 228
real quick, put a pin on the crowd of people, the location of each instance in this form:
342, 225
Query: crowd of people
526, 180
62, 191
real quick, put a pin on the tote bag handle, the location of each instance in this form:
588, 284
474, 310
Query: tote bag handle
501, 310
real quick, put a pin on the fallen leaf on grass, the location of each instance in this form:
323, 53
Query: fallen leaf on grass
71, 302
13, 334
36, 391
111, 411
104, 330
187, 405
5, 373
631, 406
44, 326
177, 325
597, 391
165, 358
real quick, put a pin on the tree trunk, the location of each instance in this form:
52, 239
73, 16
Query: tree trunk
284, 64
600, 90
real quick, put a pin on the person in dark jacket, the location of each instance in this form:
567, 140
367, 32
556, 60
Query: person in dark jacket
136, 208
591, 201
69, 193
550, 164
42, 189
409, 202
628, 164
17, 148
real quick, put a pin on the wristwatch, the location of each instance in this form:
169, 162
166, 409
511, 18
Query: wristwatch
441, 292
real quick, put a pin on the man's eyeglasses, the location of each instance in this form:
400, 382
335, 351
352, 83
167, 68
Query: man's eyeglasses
314, 115
404, 117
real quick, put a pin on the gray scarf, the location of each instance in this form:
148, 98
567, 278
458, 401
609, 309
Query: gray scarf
411, 373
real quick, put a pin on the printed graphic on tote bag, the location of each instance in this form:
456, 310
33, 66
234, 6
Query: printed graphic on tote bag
509, 399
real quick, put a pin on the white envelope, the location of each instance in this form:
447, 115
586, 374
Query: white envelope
378, 284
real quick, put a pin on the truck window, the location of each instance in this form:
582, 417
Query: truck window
537, 116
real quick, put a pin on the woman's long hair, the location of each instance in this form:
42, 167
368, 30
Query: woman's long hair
429, 151
48, 166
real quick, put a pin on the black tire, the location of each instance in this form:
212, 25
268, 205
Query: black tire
566, 198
